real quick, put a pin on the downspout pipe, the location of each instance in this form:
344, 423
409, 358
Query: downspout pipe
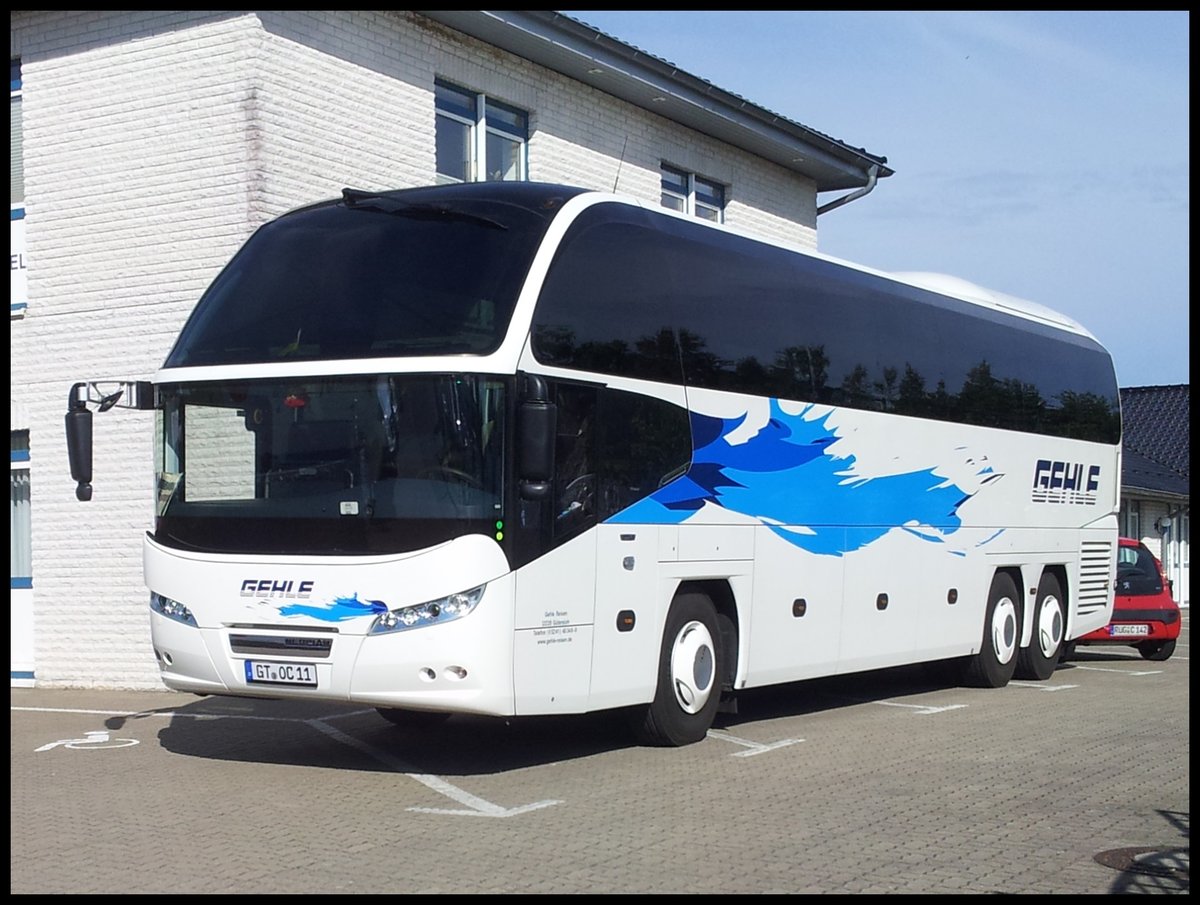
872, 172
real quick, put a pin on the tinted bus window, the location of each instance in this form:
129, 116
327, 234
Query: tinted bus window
630, 290
378, 275
608, 301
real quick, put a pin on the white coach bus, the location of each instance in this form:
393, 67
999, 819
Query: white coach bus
515, 449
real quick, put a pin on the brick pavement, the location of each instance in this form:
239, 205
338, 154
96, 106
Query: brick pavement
880, 783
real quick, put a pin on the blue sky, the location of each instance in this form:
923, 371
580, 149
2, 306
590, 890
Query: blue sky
1041, 154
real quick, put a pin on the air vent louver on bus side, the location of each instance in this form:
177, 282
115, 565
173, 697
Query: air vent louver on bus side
1095, 564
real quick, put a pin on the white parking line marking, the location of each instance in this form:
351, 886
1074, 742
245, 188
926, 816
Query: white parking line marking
921, 709
755, 747
478, 807
1125, 672
1042, 687
97, 738
169, 714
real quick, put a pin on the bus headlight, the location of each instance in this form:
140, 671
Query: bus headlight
172, 609
431, 612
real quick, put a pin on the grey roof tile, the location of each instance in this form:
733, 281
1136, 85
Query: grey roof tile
1156, 440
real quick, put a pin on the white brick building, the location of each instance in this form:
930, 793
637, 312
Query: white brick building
147, 146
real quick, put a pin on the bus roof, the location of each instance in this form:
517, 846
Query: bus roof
957, 287
552, 195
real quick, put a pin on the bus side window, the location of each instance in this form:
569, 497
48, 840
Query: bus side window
643, 444
575, 467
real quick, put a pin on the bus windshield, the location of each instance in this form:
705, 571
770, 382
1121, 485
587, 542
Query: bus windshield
372, 276
351, 465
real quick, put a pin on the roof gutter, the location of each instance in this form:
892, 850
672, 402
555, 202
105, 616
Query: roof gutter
872, 177
1166, 497
577, 50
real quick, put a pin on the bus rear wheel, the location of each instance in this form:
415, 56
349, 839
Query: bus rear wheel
1049, 625
996, 661
689, 670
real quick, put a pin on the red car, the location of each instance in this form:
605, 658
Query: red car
1144, 614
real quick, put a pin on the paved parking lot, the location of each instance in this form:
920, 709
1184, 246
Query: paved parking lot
885, 782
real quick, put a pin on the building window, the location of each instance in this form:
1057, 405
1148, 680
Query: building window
691, 194
478, 139
17, 193
20, 558
1131, 519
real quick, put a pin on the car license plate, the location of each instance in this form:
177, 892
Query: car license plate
263, 673
1132, 629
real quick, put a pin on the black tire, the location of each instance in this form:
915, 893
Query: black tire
1049, 626
412, 719
996, 661
690, 666
1067, 652
1156, 650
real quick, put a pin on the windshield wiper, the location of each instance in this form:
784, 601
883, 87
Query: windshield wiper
389, 204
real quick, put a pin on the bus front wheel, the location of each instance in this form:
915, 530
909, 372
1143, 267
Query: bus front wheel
689, 670
1049, 625
996, 661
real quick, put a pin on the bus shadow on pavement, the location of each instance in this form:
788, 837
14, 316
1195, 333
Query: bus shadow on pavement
836, 692
344, 738
349, 737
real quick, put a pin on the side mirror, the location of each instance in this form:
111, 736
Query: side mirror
537, 423
129, 394
79, 443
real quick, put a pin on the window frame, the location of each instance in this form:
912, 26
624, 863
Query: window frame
18, 302
479, 128
692, 199
19, 470
1131, 519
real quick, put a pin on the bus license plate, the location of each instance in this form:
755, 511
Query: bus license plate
1129, 630
281, 673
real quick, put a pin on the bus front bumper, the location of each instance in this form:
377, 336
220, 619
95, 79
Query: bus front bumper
463, 666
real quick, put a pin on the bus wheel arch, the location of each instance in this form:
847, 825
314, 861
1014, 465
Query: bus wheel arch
996, 661
691, 670
1049, 623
